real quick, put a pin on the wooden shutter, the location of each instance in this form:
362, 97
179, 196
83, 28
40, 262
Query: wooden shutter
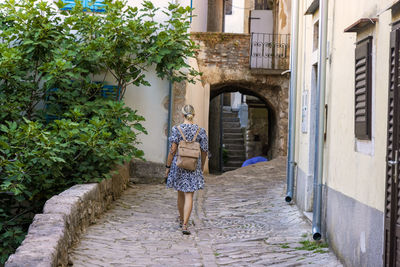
362, 118
69, 4
96, 5
391, 147
228, 7
261, 5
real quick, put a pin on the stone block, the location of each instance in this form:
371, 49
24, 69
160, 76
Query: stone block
45, 243
83, 191
64, 217
146, 172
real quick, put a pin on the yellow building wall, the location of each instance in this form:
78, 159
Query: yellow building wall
354, 168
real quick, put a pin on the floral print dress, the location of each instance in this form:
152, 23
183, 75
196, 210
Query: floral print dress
181, 179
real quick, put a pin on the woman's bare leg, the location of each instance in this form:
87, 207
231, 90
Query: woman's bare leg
181, 204
187, 210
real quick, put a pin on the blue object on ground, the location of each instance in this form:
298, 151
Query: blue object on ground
254, 161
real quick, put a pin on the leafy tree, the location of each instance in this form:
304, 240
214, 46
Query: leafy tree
56, 129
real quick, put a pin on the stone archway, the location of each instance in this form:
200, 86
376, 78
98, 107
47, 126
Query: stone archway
224, 61
271, 100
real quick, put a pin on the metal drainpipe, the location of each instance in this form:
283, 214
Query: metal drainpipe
169, 116
320, 120
292, 101
191, 7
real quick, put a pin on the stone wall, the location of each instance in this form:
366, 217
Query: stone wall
65, 216
146, 172
214, 137
257, 139
224, 60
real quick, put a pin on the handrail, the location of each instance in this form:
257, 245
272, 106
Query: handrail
269, 51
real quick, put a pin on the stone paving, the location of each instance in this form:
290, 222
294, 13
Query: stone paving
240, 219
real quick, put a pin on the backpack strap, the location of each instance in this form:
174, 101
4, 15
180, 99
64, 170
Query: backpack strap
183, 136
195, 136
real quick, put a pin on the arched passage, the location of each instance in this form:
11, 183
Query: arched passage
255, 143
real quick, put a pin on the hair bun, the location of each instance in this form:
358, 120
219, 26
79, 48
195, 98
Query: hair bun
189, 117
188, 112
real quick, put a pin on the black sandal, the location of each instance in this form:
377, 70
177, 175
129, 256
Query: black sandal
185, 230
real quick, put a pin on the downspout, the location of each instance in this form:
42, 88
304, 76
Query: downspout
191, 7
221, 133
292, 101
320, 120
169, 116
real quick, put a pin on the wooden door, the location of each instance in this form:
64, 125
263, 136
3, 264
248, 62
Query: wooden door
392, 200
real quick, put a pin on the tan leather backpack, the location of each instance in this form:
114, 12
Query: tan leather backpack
188, 152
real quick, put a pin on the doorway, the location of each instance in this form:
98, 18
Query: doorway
392, 214
242, 125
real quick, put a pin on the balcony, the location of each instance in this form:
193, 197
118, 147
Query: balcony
231, 54
269, 51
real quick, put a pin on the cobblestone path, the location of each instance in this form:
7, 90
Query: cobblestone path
240, 219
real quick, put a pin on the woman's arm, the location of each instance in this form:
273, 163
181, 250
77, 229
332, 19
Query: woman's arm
203, 159
171, 155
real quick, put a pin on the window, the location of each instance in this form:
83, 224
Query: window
96, 5
228, 7
316, 36
363, 73
263, 5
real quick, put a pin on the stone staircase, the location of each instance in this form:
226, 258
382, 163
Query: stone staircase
233, 140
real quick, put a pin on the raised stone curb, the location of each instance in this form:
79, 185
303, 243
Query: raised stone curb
65, 216
146, 172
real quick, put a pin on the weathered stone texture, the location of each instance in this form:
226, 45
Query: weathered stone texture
65, 216
224, 60
240, 219
146, 172
179, 93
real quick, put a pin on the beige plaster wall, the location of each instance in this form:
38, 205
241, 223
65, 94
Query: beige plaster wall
283, 16
355, 168
199, 20
303, 83
235, 23
198, 96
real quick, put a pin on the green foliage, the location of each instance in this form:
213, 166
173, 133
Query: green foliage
55, 128
225, 155
131, 41
315, 246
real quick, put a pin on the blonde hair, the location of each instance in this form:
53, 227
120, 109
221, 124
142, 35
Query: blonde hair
188, 112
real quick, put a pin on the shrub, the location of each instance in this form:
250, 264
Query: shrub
56, 129
38, 161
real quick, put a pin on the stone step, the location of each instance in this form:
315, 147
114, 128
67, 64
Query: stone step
233, 141
233, 135
236, 153
232, 130
230, 115
230, 119
240, 158
227, 169
234, 146
231, 125
233, 164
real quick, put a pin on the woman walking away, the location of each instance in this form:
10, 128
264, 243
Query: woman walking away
183, 179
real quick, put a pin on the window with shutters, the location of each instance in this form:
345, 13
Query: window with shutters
95, 6
263, 5
228, 7
363, 81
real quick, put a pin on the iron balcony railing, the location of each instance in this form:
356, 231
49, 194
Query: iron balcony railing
269, 51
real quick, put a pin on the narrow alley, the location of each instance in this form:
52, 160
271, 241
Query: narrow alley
240, 219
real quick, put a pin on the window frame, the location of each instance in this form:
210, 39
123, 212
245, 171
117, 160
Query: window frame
363, 51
